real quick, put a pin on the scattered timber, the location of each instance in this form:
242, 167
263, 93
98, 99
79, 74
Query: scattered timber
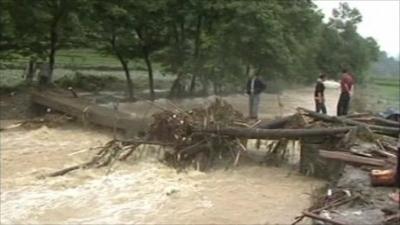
392, 131
327, 206
379, 121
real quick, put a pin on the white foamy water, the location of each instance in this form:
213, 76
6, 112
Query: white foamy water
123, 196
143, 190
150, 192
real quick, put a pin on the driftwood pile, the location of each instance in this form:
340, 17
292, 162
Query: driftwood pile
372, 142
191, 146
179, 131
371, 147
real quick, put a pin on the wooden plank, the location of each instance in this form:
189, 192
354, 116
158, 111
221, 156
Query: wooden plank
83, 109
350, 158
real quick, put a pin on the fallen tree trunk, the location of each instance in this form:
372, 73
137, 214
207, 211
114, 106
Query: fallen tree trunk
256, 133
392, 131
350, 158
77, 107
386, 122
357, 115
378, 121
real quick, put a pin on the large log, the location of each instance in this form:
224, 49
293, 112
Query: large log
386, 122
350, 158
378, 121
392, 131
83, 109
256, 133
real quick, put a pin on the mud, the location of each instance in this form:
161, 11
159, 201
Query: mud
368, 208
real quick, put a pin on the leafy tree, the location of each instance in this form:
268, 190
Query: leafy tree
149, 23
43, 27
111, 31
6, 31
342, 46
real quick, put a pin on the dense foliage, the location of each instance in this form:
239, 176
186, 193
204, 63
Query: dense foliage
203, 44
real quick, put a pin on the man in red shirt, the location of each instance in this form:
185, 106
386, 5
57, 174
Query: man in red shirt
346, 87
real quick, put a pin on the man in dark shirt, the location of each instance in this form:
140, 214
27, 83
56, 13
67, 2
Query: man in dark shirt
254, 88
319, 94
346, 87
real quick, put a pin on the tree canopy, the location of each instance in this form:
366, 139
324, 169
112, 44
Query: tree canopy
202, 43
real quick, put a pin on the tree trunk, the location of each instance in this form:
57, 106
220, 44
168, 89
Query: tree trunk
52, 54
129, 83
255, 133
125, 68
150, 71
392, 131
176, 88
192, 88
31, 71
146, 57
248, 70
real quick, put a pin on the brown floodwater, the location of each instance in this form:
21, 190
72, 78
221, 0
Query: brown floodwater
144, 190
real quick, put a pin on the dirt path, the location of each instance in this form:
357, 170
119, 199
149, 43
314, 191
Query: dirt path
144, 191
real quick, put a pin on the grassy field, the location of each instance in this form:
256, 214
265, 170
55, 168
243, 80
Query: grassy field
14, 77
380, 93
83, 57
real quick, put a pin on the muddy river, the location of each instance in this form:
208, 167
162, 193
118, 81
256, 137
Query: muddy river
144, 190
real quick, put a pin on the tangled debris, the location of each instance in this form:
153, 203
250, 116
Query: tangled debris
177, 130
202, 136
191, 146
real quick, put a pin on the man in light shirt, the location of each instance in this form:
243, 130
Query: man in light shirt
254, 88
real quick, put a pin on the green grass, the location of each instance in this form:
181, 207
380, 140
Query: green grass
85, 61
380, 93
81, 59
12, 78
86, 57
386, 81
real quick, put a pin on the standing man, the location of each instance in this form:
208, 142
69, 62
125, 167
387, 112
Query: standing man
254, 88
319, 94
346, 87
